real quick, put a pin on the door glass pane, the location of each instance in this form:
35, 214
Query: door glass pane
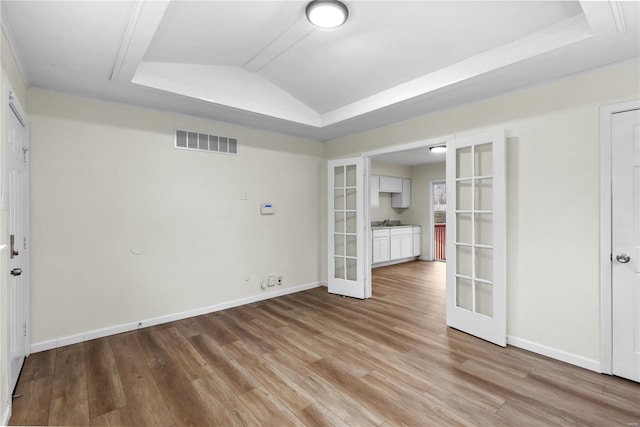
484, 194
338, 176
464, 163
338, 222
464, 264
338, 199
484, 298
463, 230
484, 263
483, 229
352, 247
464, 196
352, 269
351, 199
484, 159
338, 243
351, 176
339, 267
352, 222
464, 294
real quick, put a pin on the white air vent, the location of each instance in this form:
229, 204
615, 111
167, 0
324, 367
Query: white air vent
187, 140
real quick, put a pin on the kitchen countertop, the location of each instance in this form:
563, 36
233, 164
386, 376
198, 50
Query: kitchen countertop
379, 227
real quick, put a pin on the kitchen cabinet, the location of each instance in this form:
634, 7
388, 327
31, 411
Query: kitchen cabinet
380, 246
402, 199
390, 184
375, 190
400, 243
417, 240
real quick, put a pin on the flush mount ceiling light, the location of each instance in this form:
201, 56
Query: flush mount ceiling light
327, 13
438, 149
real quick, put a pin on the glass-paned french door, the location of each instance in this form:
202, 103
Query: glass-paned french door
476, 246
346, 227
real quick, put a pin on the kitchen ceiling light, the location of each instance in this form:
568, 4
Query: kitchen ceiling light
327, 13
438, 149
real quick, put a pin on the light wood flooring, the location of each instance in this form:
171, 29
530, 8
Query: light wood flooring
313, 358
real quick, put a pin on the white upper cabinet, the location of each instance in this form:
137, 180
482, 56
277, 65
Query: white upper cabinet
402, 199
390, 184
375, 191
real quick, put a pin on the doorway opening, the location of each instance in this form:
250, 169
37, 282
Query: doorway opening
439, 219
401, 226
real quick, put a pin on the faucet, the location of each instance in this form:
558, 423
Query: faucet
386, 222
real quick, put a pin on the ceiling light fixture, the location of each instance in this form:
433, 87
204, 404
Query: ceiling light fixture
327, 13
438, 149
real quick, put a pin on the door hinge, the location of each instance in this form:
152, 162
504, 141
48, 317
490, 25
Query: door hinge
24, 332
24, 242
25, 151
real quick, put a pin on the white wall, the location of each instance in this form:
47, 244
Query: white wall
553, 197
10, 78
105, 177
420, 210
384, 209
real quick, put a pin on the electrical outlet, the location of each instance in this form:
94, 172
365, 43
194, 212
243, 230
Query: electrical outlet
263, 282
279, 280
272, 281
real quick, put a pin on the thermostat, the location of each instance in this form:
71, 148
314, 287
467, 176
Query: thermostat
267, 209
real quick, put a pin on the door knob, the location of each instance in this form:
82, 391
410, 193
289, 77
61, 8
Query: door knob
12, 247
623, 258
16, 272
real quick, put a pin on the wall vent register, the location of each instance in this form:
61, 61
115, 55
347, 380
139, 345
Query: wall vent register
186, 140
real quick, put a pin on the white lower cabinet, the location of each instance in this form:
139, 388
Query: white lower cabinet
417, 241
380, 246
401, 243
390, 244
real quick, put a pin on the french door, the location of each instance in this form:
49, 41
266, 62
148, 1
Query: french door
346, 226
476, 241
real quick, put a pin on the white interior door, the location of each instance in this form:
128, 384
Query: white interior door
625, 269
18, 292
476, 241
346, 246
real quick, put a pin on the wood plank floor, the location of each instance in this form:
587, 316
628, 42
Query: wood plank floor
317, 359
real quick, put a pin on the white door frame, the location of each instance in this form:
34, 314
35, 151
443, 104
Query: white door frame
606, 204
432, 239
367, 179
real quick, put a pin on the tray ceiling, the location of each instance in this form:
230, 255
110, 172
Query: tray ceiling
261, 64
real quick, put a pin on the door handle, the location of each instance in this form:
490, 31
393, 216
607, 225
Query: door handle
16, 272
12, 247
623, 258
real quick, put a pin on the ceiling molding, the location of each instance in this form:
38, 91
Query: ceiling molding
604, 17
285, 41
145, 19
562, 34
618, 16
11, 41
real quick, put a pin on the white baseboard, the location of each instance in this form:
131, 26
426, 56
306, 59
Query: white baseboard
6, 415
118, 329
554, 353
